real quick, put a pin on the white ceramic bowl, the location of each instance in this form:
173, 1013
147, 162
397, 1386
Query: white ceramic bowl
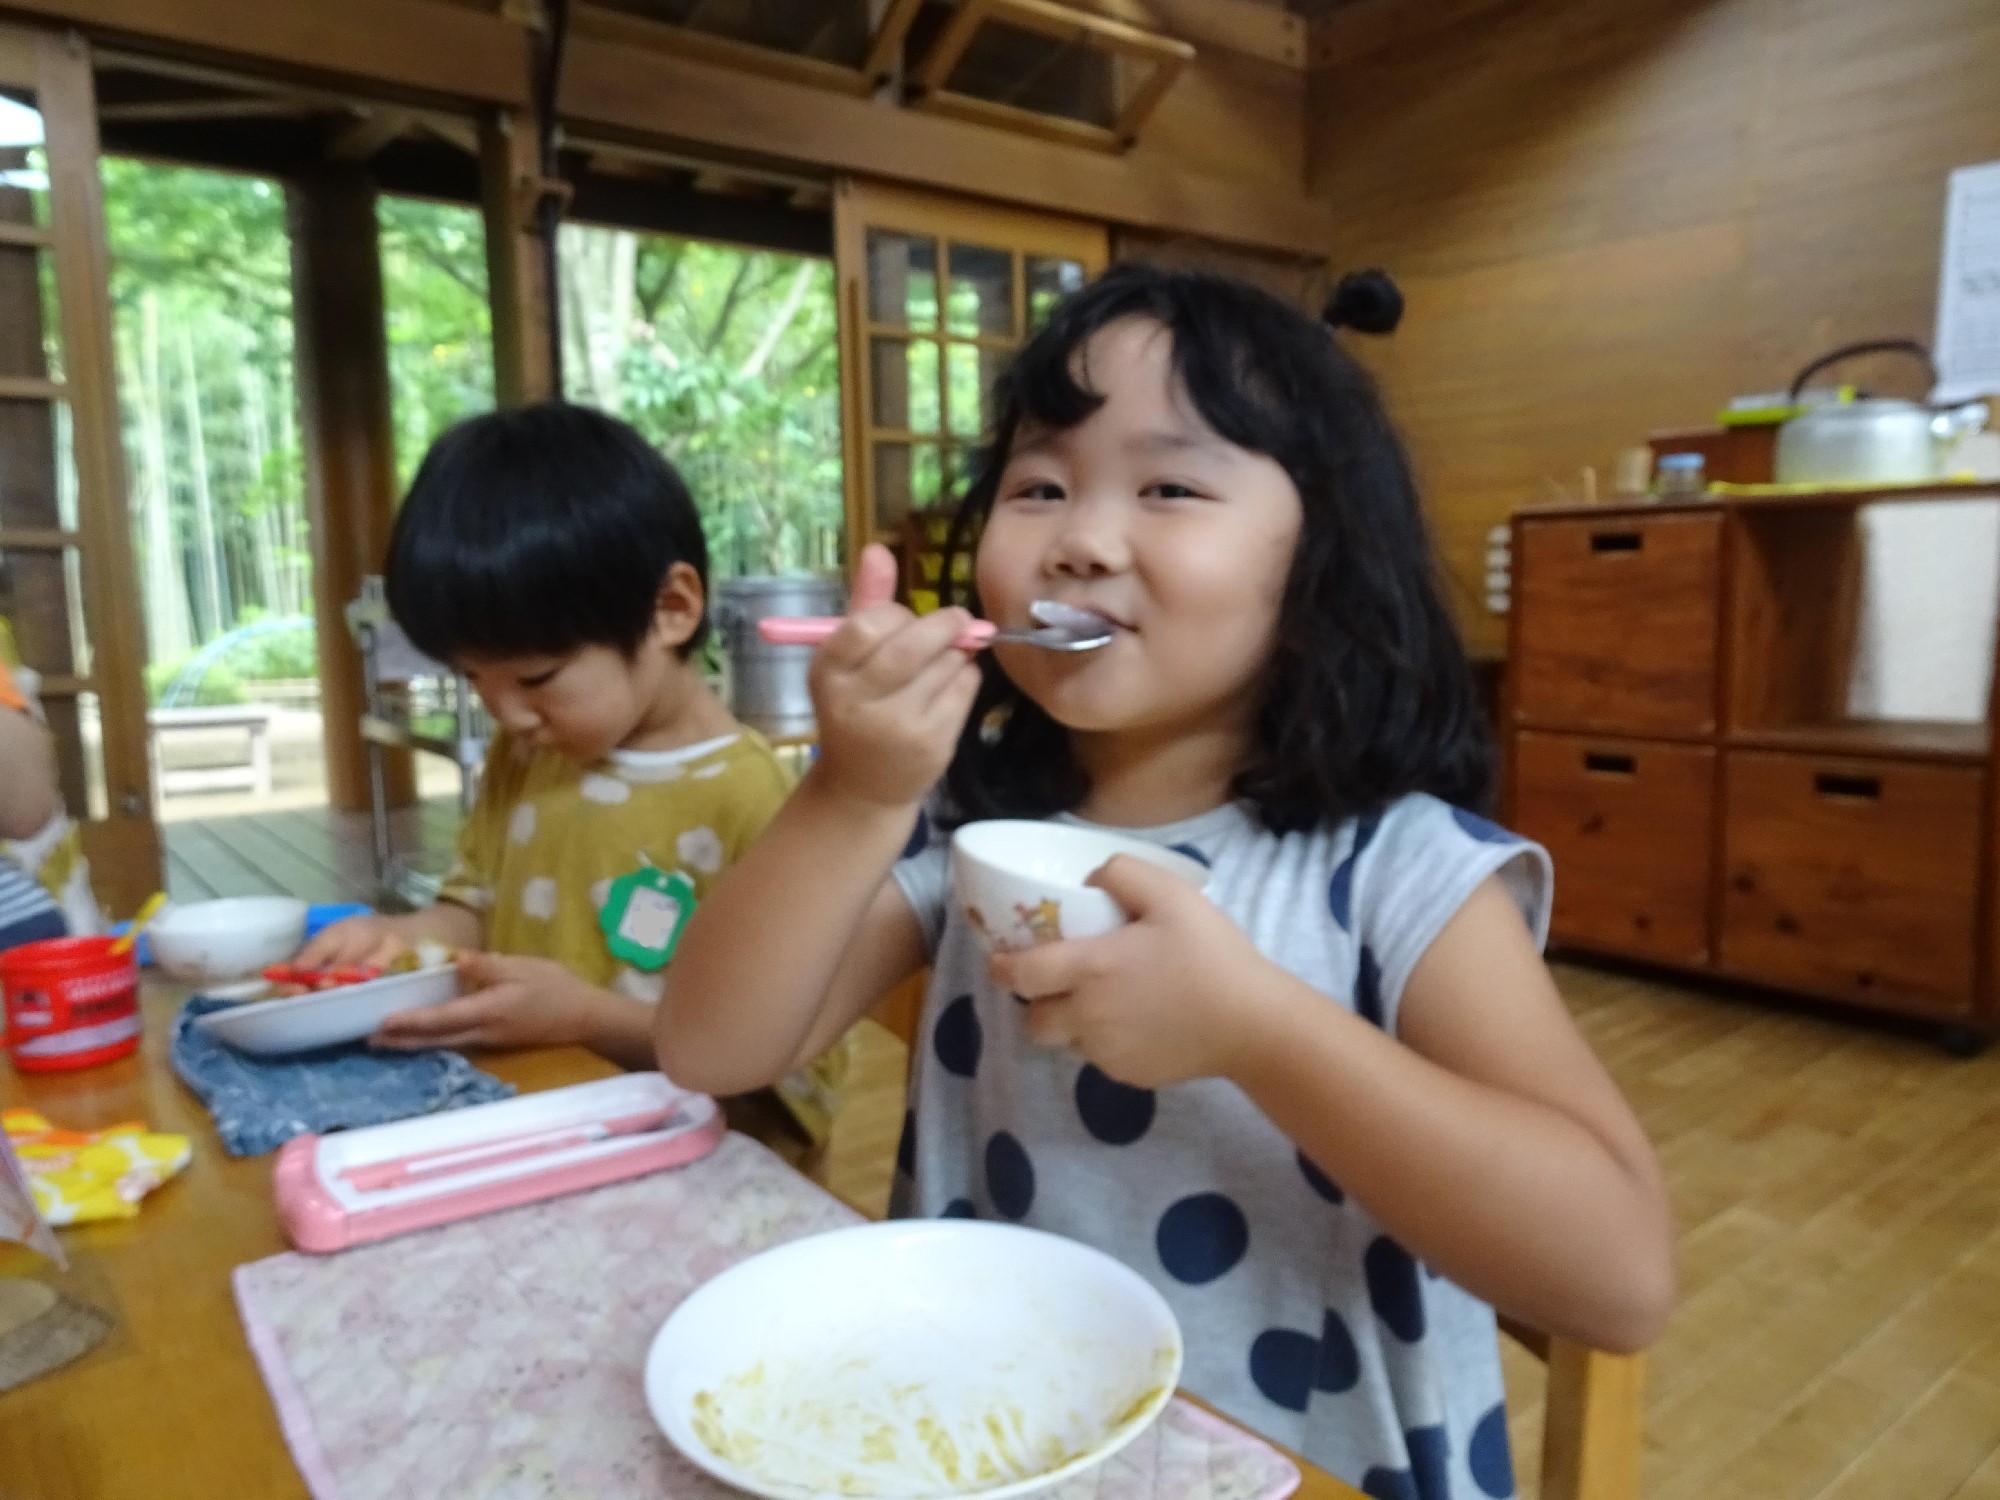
330, 1017
211, 942
913, 1361
1022, 882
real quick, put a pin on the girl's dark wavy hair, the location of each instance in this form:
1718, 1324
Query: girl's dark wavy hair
1369, 695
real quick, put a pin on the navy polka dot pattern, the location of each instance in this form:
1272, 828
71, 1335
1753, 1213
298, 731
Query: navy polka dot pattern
1194, 854
1428, 1476
957, 1040
1389, 1484
920, 837
1430, 1462
1010, 1177
1340, 893
1319, 1182
1393, 1289
906, 1145
1202, 1237
1491, 1459
1368, 988
1282, 1363
1116, 1113
1339, 1367
959, 1208
1479, 828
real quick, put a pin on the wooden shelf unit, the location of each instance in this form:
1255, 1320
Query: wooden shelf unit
1678, 736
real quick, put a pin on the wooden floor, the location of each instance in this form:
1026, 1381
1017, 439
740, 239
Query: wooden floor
1837, 1187
314, 853
1838, 1193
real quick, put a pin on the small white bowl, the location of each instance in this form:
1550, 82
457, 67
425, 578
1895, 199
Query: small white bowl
913, 1361
212, 942
1021, 882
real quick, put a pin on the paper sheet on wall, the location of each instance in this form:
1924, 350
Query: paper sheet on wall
1968, 321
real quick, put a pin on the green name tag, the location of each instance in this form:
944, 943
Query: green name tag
644, 915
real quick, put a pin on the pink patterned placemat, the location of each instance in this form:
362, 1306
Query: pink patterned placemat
503, 1358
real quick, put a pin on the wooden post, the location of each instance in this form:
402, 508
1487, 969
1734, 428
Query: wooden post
517, 283
121, 840
343, 380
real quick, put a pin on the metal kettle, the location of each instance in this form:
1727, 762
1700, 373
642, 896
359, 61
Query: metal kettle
1872, 439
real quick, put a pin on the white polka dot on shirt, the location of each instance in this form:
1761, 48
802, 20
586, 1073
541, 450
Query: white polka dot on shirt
521, 827
538, 898
608, 791
639, 986
700, 850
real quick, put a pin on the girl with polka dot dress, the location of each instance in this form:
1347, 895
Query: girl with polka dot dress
1332, 1107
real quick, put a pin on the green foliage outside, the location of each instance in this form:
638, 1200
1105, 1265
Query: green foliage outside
725, 358
729, 361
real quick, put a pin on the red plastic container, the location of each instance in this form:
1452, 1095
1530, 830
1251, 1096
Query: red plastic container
71, 1003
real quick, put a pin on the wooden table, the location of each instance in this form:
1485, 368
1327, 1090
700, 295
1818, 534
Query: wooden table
171, 1405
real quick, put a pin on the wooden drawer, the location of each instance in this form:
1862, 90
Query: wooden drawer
1852, 878
1629, 825
1616, 623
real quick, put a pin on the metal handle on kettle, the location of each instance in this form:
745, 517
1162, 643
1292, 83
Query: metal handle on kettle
1866, 346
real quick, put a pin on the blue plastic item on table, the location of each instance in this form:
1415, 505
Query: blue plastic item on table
142, 951
324, 914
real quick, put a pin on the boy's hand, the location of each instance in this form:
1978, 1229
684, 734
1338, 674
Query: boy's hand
890, 692
1160, 1000
371, 941
513, 1002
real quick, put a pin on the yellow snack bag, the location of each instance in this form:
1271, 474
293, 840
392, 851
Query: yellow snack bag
77, 1176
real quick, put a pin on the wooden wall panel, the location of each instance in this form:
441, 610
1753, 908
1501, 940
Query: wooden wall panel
1300, 280
1231, 117
1609, 219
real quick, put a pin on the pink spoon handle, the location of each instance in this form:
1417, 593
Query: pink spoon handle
795, 630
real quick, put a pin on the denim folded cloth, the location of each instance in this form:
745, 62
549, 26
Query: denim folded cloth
259, 1103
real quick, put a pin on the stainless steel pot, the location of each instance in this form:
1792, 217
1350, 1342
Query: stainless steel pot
767, 684
1873, 439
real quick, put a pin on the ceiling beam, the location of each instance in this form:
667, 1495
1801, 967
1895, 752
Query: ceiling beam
1269, 33
887, 44
621, 158
463, 134
424, 50
206, 107
604, 24
358, 141
617, 89
448, 51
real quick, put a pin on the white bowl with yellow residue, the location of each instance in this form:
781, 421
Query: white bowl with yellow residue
913, 1361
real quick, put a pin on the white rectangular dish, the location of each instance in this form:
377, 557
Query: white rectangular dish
270, 1028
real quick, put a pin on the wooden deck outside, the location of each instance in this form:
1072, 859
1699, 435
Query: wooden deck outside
314, 853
